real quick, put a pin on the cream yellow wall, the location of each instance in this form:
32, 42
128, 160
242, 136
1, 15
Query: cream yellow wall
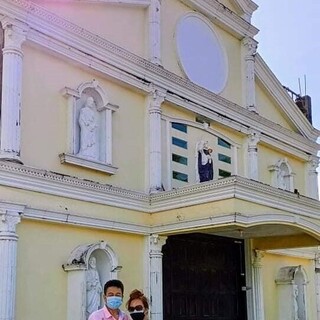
44, 120
268, 157
172, 11
267, 108
43, 249
121, 24
271, 265
79, 208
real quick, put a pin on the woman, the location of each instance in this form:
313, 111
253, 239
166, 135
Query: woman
138, 305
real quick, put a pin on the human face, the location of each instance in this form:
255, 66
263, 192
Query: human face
113, 291
136, 304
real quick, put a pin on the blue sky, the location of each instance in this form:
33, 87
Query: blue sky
289, 43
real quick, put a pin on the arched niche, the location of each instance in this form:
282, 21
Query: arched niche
291, 284
100, 110
282, 175
77, 266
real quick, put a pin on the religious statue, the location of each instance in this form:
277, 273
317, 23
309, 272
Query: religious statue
204, 162
93, 287
88, 122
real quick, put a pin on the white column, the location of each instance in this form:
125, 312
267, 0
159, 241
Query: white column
155, 32
317, 283
14, 36
8, 262
156, 97
250, 46
312, 176
156, 298
252, 162
257, 285
72, 96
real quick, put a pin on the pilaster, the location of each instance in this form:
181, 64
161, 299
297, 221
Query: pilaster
155, 31
252, 163
317, 283
9, 218
312, 177
156, 293
250, 46
14, 36
257, 285
156, 98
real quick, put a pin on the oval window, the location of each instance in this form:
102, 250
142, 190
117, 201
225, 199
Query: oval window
200, 53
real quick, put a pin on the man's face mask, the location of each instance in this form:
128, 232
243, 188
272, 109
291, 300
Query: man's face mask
114, 302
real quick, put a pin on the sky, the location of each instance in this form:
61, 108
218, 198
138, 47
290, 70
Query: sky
290, 45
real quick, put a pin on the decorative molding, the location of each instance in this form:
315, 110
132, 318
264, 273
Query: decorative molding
309, 253
141, 3
90, 164
241, 119
247, 7
222, 16
112, 60
42, 181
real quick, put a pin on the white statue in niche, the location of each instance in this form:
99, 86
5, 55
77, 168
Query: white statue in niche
93, 286
88, 122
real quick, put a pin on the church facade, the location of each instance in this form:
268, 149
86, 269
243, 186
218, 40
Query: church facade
148, 141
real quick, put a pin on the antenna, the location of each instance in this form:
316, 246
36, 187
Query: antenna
299, 86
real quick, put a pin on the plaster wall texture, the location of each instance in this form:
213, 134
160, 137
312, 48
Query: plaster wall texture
44, 120
271, 265
65, 205
48, 281
172, 12
268, 109
121, 24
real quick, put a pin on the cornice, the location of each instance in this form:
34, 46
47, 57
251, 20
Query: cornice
141, 3
46, 182
61, 36
242, 120
275, 89
222, 16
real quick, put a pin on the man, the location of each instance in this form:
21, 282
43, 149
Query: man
113, 295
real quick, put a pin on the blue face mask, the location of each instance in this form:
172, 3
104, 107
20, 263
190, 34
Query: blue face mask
113, 302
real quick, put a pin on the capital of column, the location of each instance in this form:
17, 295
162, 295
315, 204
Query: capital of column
251, 47
15, 33
253, 140
156, 98
313, 163
257, 258
8, 222
156, 244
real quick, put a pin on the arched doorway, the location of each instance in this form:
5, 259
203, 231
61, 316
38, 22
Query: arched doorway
203, 277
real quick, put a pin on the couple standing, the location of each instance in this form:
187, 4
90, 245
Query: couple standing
137, 304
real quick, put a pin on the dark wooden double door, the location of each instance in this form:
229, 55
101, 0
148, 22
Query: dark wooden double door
202, 278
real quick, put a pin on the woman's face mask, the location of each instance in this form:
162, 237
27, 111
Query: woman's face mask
137, 315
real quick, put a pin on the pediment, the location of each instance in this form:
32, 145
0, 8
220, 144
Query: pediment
284, 105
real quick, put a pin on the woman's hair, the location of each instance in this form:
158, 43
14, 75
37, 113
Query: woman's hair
137, 294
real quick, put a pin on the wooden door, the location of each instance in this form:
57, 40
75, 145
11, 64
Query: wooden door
202, 278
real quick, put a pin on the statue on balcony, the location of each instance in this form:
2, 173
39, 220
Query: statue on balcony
204, 162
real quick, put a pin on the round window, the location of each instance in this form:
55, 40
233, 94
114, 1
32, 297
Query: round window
200, 53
